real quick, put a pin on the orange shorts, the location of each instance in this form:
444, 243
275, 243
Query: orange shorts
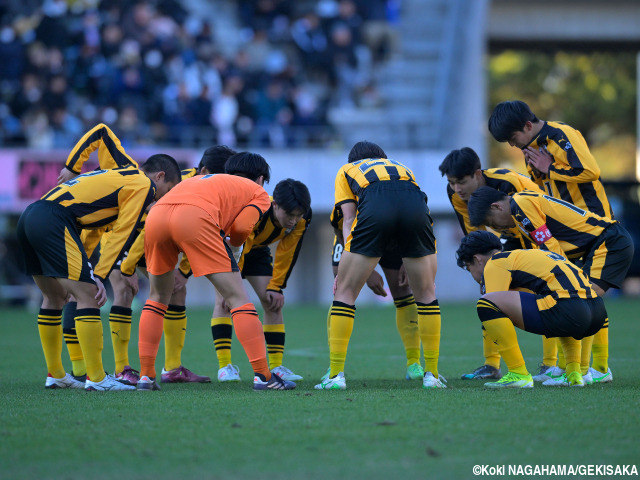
171, 229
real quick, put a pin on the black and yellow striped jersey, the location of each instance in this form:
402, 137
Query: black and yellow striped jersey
110, 152
502, 179
136, 251
574, 175
353, 178
114, 198
541, 272
289, 242
557, 225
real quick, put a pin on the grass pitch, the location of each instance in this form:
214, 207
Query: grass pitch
381, 427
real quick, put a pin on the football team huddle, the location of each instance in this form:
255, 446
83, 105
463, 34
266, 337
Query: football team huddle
544, 248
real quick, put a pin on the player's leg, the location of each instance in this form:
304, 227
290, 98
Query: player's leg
499, 313
161, 257
248, 328
606, 266
50, 329
222, 333
79, 369
175, 329
406, 317
421, 272
120, 328
353, 271
273, 326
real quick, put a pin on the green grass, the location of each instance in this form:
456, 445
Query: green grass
381, 427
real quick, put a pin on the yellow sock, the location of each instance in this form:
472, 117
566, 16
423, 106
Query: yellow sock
75, 352
562, 362
120, 327
500, 329
407, 325
585, 355
549, 351
175, 329
221, 330
571, 348
429, 321
71, 339
342, 319
89, 328
600, 349
274, 336
490, 350
50, 330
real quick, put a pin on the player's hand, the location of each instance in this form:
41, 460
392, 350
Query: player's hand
376, 284
65, 175
132, 283
275, 300
101, 296
539, 160
403, 279
179, 281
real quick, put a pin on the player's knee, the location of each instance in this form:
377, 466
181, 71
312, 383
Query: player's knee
487, 310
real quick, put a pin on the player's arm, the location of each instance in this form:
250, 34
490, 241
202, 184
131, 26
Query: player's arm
133, 200
497, 275
246, 220
566, 159
532, 221
287, 254
111, 154
91, 238
136, 252
349, 212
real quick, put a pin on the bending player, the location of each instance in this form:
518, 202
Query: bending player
55, 256
285, 222
195, 220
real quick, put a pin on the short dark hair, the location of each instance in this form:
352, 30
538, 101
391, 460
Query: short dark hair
214, 158
364, 149
291, 195
248, 165
479, 242
480, 203
161, 162
460, 163
508, 118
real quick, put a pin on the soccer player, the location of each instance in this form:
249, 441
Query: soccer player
54, 255
561, 304
558, 159
175, 322
464, 176
603, 246
195, 219
286, 223
384, 210
111, 155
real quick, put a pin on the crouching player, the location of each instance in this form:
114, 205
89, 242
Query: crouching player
562, 303
195, 220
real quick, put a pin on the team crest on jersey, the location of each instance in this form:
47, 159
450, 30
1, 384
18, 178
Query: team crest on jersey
568, 146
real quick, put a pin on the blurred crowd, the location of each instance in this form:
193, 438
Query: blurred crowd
157, 72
